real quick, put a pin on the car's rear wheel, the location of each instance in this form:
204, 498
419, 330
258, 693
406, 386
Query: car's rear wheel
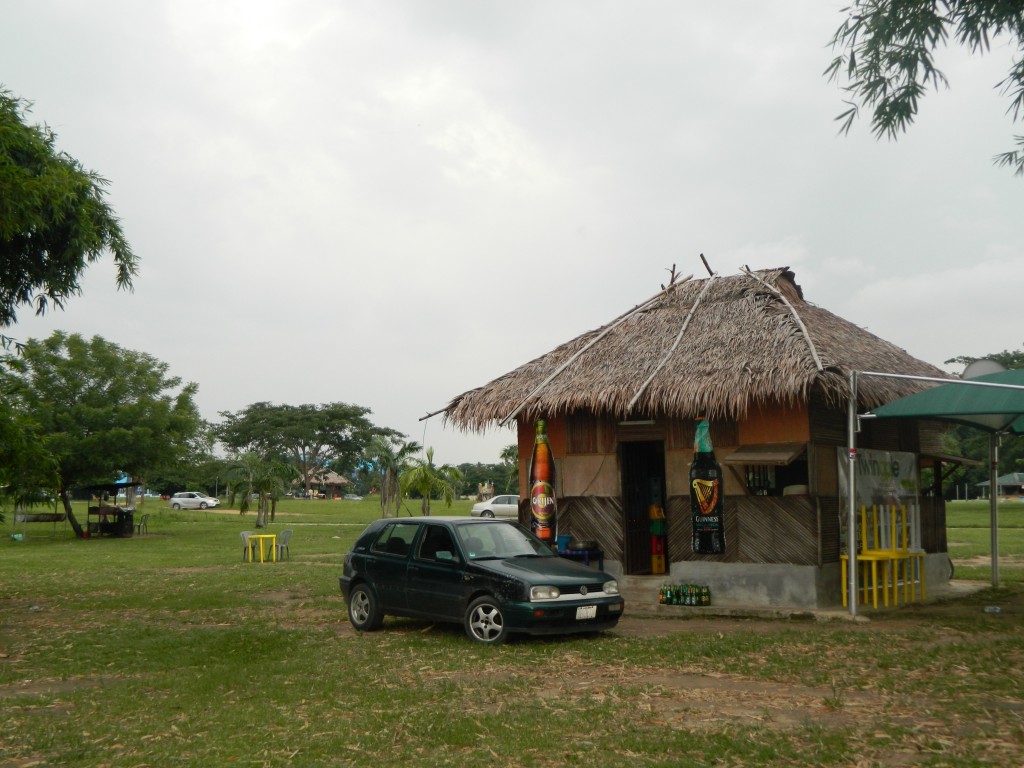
202, 505
485, 622
175, 506
363, 611
487, 513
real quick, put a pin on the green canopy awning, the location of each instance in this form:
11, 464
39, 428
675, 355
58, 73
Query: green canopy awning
992, 408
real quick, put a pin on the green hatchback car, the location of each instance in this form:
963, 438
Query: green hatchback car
492, 576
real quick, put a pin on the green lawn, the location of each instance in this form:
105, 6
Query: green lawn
168, 650
968, 535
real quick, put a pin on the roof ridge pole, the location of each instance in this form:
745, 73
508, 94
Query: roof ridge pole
679, 337
608, 328
792, 310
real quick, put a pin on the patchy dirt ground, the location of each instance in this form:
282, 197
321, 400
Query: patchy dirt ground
697, 701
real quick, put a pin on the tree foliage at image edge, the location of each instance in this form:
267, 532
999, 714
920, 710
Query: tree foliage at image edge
886, 52
54, 219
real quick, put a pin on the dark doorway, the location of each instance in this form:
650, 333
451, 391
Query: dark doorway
643, 484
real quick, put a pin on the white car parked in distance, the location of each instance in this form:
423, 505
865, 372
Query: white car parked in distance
497, 506
193, 500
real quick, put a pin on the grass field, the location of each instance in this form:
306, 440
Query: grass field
969, 540
168, 650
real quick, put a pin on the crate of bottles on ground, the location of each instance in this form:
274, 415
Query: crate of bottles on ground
685, 594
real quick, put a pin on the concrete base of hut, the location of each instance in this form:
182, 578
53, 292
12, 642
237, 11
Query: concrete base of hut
763, 586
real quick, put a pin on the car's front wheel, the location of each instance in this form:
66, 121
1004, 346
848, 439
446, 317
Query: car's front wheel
487, 513
175, 506
485, 622
202, 505
363, 611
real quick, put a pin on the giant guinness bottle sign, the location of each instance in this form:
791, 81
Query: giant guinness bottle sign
706, 495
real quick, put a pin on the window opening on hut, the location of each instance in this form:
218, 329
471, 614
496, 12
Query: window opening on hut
771, 469
643, 484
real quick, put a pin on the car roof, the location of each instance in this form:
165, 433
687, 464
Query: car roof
451, 519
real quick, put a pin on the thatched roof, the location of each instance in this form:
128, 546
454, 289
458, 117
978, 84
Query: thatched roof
712, 347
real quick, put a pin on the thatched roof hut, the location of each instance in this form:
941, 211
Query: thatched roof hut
710, 347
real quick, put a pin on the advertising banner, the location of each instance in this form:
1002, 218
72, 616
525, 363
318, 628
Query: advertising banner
884, 479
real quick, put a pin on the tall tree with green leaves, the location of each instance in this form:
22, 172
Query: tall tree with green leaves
314, 437
54, 219
428, 480
26, 466
1006, 358
104, 409
388, 457
886, 53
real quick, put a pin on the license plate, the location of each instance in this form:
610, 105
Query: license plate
586, 612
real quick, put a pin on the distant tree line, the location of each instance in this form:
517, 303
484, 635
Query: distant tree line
77, 413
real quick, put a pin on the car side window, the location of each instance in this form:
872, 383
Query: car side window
394, 539
436, 544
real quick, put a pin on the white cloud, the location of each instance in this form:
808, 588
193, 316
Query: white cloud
391, 203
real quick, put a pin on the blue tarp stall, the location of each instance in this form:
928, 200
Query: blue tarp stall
993, 402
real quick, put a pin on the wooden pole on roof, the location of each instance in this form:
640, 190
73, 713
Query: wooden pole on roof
792, 311
608, 328
675, 344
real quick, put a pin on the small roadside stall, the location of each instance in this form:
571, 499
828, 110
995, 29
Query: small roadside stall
105, 517
987, 398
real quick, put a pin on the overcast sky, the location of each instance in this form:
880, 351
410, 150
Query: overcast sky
390, 203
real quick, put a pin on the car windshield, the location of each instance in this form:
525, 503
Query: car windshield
500, 540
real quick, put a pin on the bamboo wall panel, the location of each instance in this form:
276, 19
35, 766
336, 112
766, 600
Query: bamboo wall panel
681, 434
724, 432
830, 512
933, 524
823, 469
586, 433
931, 437
596, 518
581, 433
828, 423
890, 435
758, 529
777, 529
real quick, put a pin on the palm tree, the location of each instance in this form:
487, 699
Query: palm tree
427, 479
510, 463
266, 478
389, 458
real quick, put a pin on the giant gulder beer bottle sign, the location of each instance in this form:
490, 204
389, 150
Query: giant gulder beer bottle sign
542, 487
706, 497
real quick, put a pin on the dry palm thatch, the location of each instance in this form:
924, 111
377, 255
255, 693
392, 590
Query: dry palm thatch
700, 348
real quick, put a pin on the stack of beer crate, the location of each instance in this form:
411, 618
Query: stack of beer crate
658, 534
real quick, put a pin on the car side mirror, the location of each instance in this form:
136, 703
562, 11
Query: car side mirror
444, 556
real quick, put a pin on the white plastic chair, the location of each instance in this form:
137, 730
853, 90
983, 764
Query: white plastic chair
282, 543
246, 546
